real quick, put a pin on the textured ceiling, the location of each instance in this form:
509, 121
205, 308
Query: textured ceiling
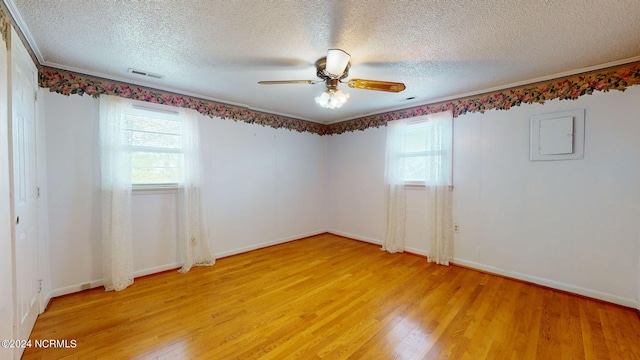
219, 50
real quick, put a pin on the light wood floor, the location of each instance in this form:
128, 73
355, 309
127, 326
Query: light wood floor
328, 297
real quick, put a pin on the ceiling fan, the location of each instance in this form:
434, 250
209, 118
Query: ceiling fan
332, 69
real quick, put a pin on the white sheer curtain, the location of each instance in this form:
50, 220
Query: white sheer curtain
438, 187
394, 187
193, 236
420, 151
116, 195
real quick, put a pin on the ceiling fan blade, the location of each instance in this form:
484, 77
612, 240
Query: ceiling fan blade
376, 85
280, 82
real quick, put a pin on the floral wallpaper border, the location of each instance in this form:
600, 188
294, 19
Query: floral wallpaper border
67, 83
571, 87
565, 88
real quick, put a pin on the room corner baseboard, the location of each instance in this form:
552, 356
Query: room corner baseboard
267, 243
408, 249
354, 236
594, 294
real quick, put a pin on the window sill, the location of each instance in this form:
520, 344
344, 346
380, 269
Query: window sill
154, 189
417, 186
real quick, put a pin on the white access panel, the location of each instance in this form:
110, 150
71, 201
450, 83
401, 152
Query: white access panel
557, 136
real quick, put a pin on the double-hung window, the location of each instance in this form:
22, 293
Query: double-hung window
154, 140
426, 151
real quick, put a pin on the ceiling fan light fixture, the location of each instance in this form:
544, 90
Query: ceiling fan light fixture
332, 99
331, 70
337, 61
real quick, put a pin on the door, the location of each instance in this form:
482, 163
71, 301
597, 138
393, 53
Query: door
25, 189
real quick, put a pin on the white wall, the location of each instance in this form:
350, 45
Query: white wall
6, 252
267, 185
572, 225
74, 197
356, 184
263, 186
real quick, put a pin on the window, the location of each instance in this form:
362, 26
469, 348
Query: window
426, 150
154, 139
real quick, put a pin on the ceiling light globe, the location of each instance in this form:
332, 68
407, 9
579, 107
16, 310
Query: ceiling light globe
337, 61
332, 99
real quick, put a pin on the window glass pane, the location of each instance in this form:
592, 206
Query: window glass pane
141, 159
152, 132
422, 168
134, 122
156, 140
156, 143
156, 175
156, 168
414, 168
414, 139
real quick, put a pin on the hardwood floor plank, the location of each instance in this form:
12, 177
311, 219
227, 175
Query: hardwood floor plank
331, 297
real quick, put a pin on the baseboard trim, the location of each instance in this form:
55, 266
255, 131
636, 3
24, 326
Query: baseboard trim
75, 288
409, 249
354, 236
416, 251
594, 294
97, 283
267, 244
158, 269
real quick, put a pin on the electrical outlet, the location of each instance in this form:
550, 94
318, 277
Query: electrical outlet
456, 228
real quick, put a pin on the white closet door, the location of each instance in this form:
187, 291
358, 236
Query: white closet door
25, 188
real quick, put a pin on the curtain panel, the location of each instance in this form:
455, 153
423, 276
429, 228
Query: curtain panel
193, 236
395, 196
426, 159
116, 187
115, 168
439, 187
